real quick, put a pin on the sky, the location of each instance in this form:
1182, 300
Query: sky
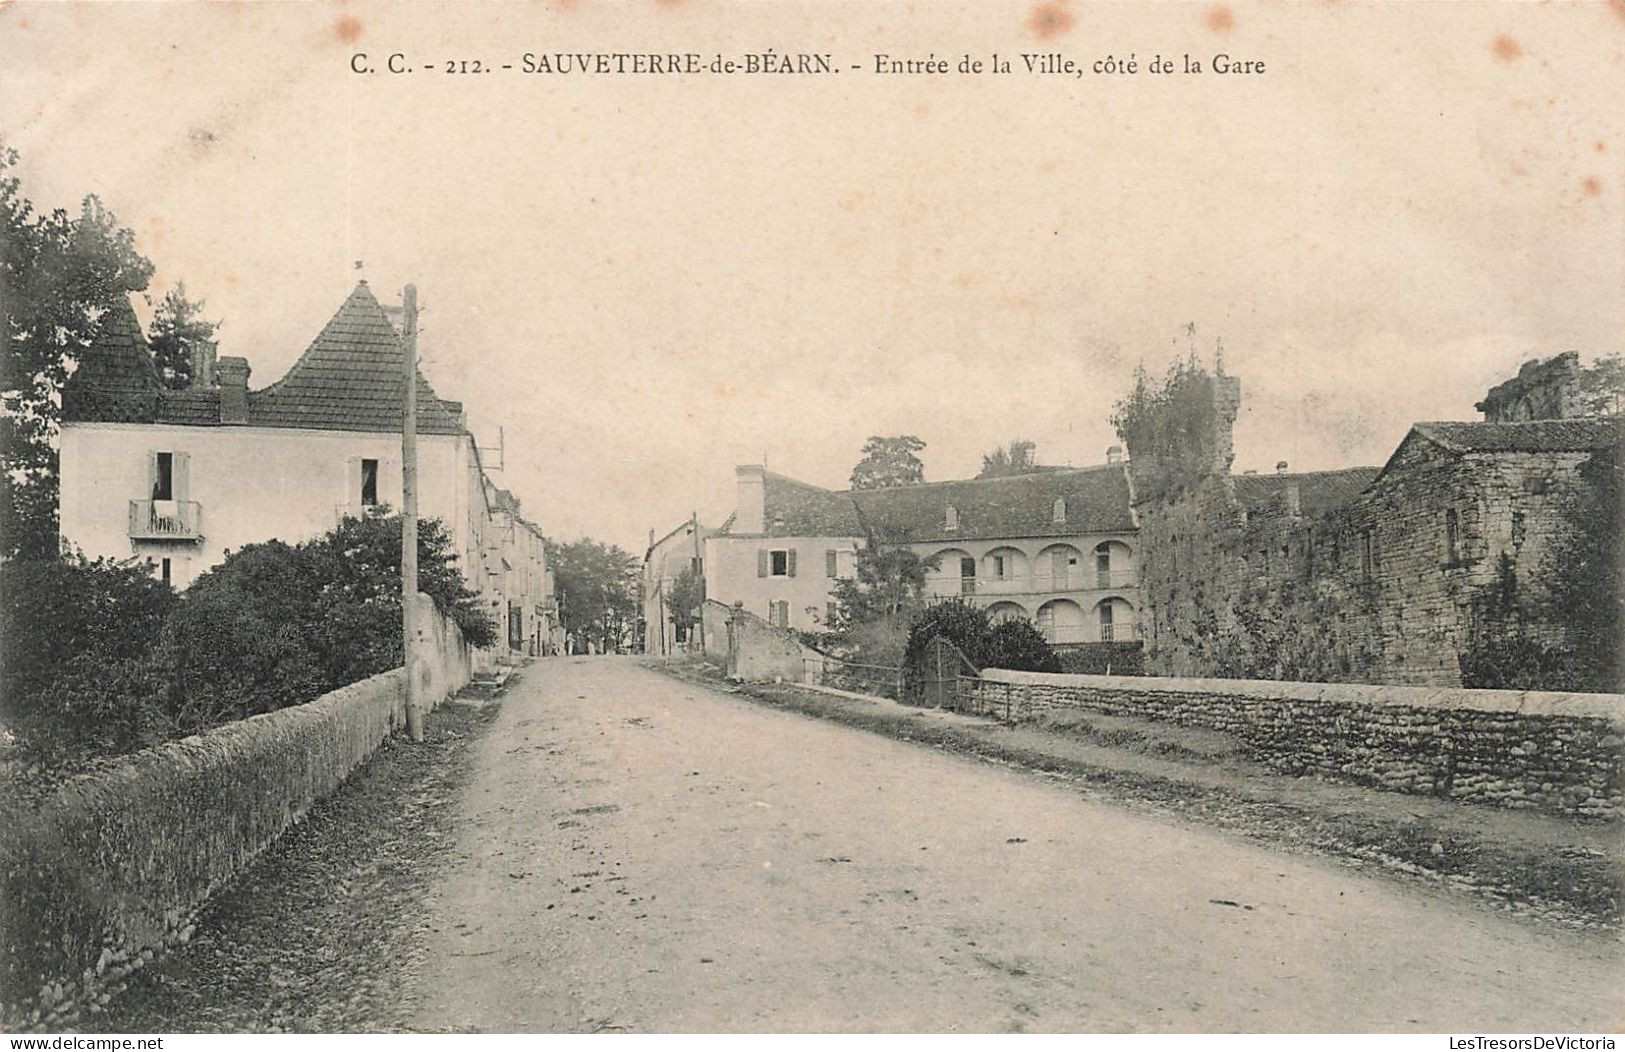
643, 281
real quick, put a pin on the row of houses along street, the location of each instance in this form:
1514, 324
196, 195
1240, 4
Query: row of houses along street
180, 478
1164, 560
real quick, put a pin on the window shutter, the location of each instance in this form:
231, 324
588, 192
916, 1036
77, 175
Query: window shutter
152, 474
761, 562
790, 563
180, 478
352, 485
829, 562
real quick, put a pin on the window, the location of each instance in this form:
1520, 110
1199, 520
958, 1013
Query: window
1105, 622
164, 571
778, 613
1103, 565
778, 562
831, 611
1451, 555
1368, 555
1058, 513
951, 518
999, 567
831, 563
967, 576
1517, 529
369, 483
163, 476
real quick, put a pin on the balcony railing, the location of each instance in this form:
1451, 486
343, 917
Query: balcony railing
1064, 634
1035, 584
357, 510
166, 520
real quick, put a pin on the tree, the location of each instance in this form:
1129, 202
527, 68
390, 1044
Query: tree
58, 276
59, 614
1013, 644
1586, 567
1602, 386
686, 598
1018, 458
889, 462
598, 590
177, 329
1168, 426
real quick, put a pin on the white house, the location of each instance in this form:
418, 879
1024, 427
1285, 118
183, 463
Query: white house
680, 550
1056, 547
181, 478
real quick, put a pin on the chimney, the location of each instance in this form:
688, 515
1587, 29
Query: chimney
1291, 499
1114, 454
1280, 467
233, 375
750, 511
203, 355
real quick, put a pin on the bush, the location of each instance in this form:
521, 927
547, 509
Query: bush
278, 625
75, 635
1012, 644
102, 658
1017, 644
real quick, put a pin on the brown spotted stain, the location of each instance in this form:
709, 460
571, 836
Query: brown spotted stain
1051, 19
1601, 146
347, 28
152, 237
1592, 186
1506, 49
1618, 7
1220, 19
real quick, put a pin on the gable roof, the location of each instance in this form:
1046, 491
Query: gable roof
1318, 491
349, 379
1097, 501
792, 508
1525, 436
1568, 435
116, 378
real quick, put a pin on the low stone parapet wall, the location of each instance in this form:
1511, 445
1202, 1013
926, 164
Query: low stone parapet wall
116, 864
1556, 752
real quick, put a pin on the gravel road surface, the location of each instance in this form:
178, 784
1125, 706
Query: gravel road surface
643, 854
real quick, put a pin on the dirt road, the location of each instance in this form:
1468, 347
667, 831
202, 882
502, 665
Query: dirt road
643, 854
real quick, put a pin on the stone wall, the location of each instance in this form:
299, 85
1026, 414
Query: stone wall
1560, 753
1393, 584
116, 865
764, 652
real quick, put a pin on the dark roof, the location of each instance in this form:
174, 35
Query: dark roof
1097, 501
791, 508
349, 379
190, 406
1318, 491
1526, 436
116, 379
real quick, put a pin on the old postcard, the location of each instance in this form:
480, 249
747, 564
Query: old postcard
805, 516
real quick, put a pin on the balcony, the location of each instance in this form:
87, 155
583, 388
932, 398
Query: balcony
1064, 635
166, 520
1035, 584
358, 510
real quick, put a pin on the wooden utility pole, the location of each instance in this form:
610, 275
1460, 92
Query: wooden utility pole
699, 572
409, 512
